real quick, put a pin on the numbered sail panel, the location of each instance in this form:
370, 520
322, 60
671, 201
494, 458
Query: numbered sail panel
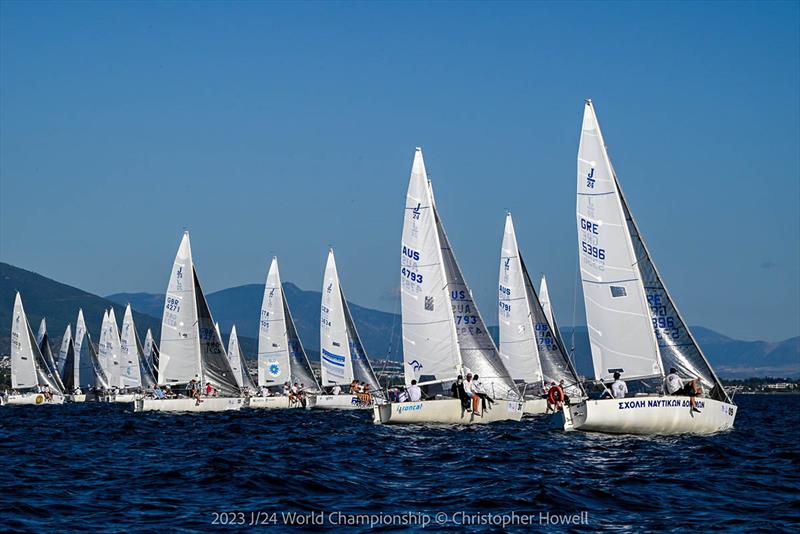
179, 360
335, 358
430, 348
677, 347
617, 315
518, 338
215, 367
478, 352
273, 340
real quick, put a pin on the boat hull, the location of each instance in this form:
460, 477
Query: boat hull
650, 415
444, 411
273, 403
77, 398
535, 407
33, 399
210, 404
123, 397
337, 402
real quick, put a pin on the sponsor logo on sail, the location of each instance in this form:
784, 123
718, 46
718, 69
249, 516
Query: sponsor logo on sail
590, 179
415, 212
415, 365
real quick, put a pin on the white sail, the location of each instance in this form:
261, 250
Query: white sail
518, 345
150, 351
131, 373
28, 366
179, 358
42, 331
281, 356
117, 364
273, 351
238, 363
23, 361
617, 314
335, 359
62, 353
105, 351
430, 345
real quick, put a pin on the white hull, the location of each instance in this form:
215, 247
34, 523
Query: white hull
124, 397
277, 403
337, 402
445, 411
535, 406
208, 404
33, 399
77, 398
650, 415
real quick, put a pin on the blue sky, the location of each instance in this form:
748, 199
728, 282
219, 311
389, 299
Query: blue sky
269, 128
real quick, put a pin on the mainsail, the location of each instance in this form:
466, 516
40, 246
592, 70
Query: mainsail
190, 345
342, 354
28, 367
617, 313
518, 337
547, 306
42, 331
443, 332
281, 357
88, 371
135, 370
110, 349
238, 363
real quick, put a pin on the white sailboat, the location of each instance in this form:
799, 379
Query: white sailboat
281, 357
342, 355
88, 374
531, 350
238, 363
190, 345
29, 370
634, 326
132, 378
443, 333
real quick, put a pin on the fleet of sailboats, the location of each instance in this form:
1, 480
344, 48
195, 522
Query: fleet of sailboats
636, 334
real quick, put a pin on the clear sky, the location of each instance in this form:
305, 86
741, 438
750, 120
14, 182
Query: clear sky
269, 128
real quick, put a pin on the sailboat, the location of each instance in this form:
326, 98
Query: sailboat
443, 333
29, 369
190, 345
150, 353
281, 357
342, 355
43, 340
532, 351
634, 326
109, 354
88, 374
133, 374
238, 363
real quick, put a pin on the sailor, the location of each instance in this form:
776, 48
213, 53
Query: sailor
264, 392
414, 392
158, 393
77, 391
336, 390
619, 389
480, 392
287, 389
209, 389
468, 390
691, 389
458, 392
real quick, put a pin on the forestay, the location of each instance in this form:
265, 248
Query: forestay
617, 314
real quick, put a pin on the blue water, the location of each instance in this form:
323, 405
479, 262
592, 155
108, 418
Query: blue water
102, 468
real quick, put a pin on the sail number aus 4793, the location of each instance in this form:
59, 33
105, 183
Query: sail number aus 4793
411, 275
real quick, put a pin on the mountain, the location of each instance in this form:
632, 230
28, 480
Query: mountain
380, 331
59, 303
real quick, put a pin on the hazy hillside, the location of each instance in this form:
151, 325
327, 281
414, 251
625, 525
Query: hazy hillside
378, 330
59, 303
